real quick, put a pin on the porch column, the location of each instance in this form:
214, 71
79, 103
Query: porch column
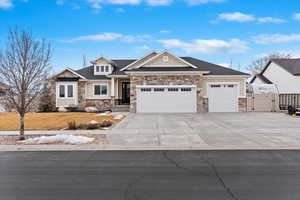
112, 92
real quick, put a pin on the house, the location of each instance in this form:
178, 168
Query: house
157, 82
283, 73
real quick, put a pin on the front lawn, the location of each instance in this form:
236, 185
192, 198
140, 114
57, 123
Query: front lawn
48, 121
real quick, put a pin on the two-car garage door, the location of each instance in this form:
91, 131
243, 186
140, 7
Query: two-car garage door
166, 99
222, 97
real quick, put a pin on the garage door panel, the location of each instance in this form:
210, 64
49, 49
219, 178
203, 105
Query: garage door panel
223, 98
166, 100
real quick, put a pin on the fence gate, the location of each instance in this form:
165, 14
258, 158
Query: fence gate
262, 102
286, 100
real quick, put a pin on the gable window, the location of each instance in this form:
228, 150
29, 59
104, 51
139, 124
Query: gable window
100, 90
102, 68
165, 58
106, 68
97, 68
62, 91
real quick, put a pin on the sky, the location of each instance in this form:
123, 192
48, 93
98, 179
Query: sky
217, 31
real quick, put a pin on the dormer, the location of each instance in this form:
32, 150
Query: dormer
102, 66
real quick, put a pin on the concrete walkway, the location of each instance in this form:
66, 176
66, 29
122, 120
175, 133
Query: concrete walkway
195, 131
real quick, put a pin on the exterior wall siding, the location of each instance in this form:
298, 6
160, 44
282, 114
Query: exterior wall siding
173, 61
165, 80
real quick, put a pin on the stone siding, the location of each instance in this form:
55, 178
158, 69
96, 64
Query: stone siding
242, 104
165, 80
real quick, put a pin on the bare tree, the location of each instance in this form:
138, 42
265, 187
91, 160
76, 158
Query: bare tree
257, 65
24, 66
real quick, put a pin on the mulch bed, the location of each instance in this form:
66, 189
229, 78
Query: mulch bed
13, 139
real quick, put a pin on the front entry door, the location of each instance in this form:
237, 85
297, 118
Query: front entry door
125, 92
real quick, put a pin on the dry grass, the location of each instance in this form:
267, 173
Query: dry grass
47, 121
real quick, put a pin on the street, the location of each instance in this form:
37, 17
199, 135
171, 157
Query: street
150, 175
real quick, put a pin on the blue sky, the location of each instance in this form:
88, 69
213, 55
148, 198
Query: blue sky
218, 31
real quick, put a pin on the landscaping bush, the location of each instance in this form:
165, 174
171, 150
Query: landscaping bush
106, 123
72, 125
92, 126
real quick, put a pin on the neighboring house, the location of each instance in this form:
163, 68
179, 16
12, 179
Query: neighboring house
158, 82
283, 73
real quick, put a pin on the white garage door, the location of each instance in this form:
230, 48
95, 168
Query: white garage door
166, 99
223, 97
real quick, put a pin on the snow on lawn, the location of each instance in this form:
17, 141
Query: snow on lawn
2, 108
65, 139
118, 117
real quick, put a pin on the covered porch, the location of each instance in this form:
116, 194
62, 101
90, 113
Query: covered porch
120, 93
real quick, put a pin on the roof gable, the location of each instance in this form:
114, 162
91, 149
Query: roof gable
173, 61
139, 61
290, 65
68, 73
102, 60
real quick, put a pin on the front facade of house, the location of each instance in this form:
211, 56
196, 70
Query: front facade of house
159, 82
283, 73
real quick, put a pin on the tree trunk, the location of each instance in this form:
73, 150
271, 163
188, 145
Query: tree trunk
22, 126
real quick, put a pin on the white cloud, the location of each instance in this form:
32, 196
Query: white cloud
159, 2
99, 37
196, 2
270, 19
207, 46
105, 37
236, 16
276, 38
296, 16
165, 31
120, 10
143, 48
241, 17
6, 4
119, 2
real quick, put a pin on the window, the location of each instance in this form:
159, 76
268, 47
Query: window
159, 89
106, 68
186, 89
62, 91
97, 68
70, 90
100, 90
146, 89
230, 86
66, 91
102, 68
165, 58
173, 89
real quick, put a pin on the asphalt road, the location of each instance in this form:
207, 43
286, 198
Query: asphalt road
150, 175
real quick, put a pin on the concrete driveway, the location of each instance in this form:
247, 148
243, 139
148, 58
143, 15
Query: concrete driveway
211, 130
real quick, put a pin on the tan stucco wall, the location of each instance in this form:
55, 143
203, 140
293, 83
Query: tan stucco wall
240, 80
173, 61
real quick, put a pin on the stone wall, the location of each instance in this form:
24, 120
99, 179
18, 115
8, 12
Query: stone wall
101, 104
165, 80
242, 104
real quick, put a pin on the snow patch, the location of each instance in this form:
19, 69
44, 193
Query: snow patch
65, 139
120, 116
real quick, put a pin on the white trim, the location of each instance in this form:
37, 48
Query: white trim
166, 86
147, 61
169, 72
112, 87
165, 65
70, 70
102, 57
225, 83
100, 95
117, 76
227, 76
138, 60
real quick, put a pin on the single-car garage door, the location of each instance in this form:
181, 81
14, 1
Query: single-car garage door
223, 97
166, 99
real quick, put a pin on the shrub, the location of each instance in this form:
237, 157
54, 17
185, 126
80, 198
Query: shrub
72, 125
106, 123
92, 126
82, 126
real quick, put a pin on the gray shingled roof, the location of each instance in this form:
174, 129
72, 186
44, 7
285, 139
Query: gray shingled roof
261, 77
88, 72
3, 86
290, 65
